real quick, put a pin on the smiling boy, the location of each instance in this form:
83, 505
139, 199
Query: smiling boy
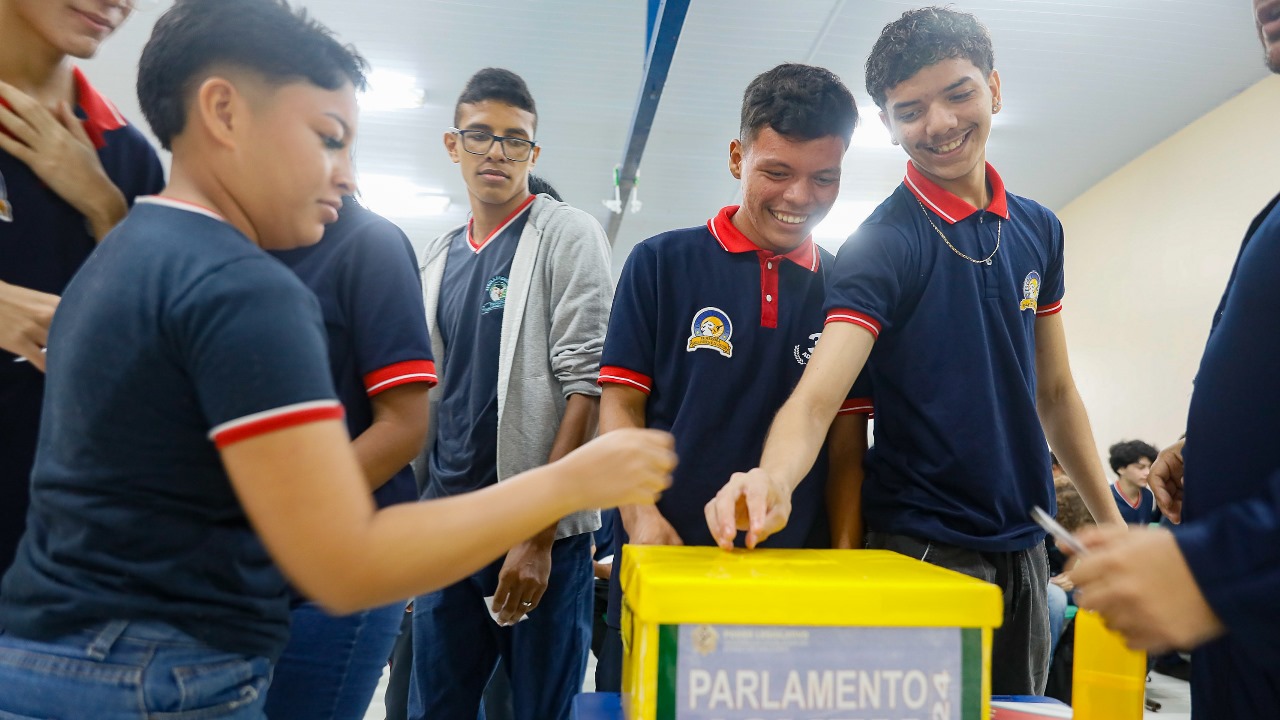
950, 293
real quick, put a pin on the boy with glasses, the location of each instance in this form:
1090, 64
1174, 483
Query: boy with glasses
953, 288
518, 303
70, 166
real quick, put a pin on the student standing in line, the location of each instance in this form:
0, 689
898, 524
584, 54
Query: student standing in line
70, 166
950, 294
518, 304
1212, 586
192, 446
1131, 462
364, 273
713, 325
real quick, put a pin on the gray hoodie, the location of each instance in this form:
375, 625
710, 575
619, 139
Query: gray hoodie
553, 327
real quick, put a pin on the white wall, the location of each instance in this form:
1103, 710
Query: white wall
1149, 250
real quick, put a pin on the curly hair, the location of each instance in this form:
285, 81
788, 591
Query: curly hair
1128, 452
1072, 513
802, 102
921, 38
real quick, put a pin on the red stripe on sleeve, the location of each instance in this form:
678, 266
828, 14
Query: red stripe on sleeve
280, 418
856, 318
857, 406
401, 373
1050, 309
622, 376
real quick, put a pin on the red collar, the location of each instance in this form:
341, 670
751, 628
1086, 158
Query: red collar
732, 240
948, 206
478, 246
100, 115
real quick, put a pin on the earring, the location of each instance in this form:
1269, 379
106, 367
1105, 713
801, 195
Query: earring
995, 107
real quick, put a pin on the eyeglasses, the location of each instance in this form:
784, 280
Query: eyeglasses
479, 142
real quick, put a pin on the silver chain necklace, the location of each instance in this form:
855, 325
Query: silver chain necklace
984, 261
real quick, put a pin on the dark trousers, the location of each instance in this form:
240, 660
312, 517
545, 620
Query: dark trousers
456, 644
1020, 647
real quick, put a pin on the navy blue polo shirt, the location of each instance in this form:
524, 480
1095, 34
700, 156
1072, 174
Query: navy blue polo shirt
43, 241
1230, 533
365, 275
473, 294
717, 332
1140, 510
959, 455
177, 338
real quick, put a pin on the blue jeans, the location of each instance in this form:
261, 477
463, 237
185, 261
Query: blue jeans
332, 664
129, 670
456, 644
1057, 615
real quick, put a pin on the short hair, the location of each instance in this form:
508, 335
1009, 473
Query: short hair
266, 37
798, 101
1128, 452
921, 38
538, 185
496, 84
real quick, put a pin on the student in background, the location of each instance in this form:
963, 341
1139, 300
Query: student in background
70, 166
1131, 462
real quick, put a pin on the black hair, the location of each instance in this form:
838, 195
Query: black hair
538, 185
496, 84
921, 38
798, 101
262, 36
1128, 452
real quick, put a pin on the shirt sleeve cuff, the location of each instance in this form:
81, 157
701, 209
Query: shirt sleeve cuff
854, 317
401, 373
858, 406
622, 376
1052, 308
267, 421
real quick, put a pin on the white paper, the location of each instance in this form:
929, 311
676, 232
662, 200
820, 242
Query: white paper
488, 605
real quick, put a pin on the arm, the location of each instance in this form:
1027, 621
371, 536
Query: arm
522, 581
397, 434
846, 447
24, 321
58, 150
301, 490
623, 407
1065, 422
760, 501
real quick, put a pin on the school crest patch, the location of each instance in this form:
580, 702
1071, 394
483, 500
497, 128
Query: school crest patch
711, 329
1030, 292
496, 289
6, 209
802, 357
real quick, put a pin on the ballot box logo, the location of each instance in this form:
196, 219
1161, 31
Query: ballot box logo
1030, 292
711, 329
6, 209
705, 640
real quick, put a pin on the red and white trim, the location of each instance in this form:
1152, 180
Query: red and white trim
1134, 503
1051, 309
478, 246
950, 207
856, 318
401, 373
622, 376
267, 421
179, 205
732, 240
101, 115
857, 406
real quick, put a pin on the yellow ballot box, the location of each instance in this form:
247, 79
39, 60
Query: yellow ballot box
1108, 679
802, 635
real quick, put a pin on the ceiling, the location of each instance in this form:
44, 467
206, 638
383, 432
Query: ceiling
1088, 85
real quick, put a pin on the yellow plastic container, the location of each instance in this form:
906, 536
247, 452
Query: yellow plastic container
1108, 679
799, 634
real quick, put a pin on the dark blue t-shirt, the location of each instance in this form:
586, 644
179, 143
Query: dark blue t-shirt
717, 333
43, 241
178, 337
1136, 511
1230, 534
365, 275
959, 455
473, 295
